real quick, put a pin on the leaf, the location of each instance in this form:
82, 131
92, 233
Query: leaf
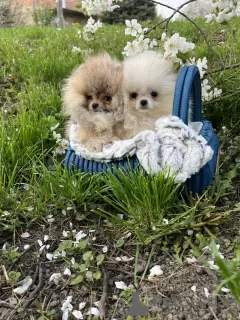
77, 280
100, 259
87, 256
97, 275
82, 244
14, 275
119, 243
64, 245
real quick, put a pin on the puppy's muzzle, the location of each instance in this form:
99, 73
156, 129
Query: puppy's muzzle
144, 104
95, 106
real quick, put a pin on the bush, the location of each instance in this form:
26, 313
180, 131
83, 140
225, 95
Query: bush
131, 9
43, 16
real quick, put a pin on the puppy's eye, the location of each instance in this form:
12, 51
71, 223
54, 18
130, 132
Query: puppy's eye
107, 98
154, 94
133, 95
89, 97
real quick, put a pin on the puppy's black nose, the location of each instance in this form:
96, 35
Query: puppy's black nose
95, 106
143, 103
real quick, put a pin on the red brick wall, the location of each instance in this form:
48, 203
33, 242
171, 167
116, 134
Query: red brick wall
70, 4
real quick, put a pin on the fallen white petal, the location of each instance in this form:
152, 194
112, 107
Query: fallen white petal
105, 249
67, 272
65, 314
212, 265
120, 285
82, 305
40, 243
226, 290
193, 288
91, 230
26, 246
77, 314
155, 271
97, 303
94, 311
42, 248
55, 277
128, 235
65, 233
73, 261
191, 260
26, 284
124, 259
190, 232
206, 292
4, 247
46, 237
64, 212
49, 256
25, 235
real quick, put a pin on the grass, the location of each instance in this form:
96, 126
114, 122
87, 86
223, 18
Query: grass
31, 79
34, 61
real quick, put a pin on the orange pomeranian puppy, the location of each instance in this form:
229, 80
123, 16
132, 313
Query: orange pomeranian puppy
93, 97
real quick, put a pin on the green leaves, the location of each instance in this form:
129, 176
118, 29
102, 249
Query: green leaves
77, 280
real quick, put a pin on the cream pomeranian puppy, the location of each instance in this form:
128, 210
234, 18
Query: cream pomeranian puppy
93, 97
149, 83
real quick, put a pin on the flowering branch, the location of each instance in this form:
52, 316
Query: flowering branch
185, 16
167, 20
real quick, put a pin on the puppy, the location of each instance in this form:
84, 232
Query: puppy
93, 97
149, 84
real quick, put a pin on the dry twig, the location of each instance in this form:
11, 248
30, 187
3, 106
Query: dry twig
102, 302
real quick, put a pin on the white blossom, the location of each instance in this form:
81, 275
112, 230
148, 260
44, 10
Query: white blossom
133, 27
223, 10
174, 45
94, 7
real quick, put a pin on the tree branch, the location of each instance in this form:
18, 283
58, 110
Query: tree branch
167, 20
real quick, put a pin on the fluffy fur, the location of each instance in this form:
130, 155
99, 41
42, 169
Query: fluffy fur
93, 97
149, 84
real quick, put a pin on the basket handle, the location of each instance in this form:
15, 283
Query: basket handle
188, 94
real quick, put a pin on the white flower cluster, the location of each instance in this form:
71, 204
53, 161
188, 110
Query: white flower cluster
90, 28
174, 45
93, 7
61, 142
141, 43
223, 10
207, 92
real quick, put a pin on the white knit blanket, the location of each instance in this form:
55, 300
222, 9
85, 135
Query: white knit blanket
174, 145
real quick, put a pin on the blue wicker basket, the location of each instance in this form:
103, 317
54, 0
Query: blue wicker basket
188, 88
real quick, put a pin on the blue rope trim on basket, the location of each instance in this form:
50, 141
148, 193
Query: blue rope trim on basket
187, 97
